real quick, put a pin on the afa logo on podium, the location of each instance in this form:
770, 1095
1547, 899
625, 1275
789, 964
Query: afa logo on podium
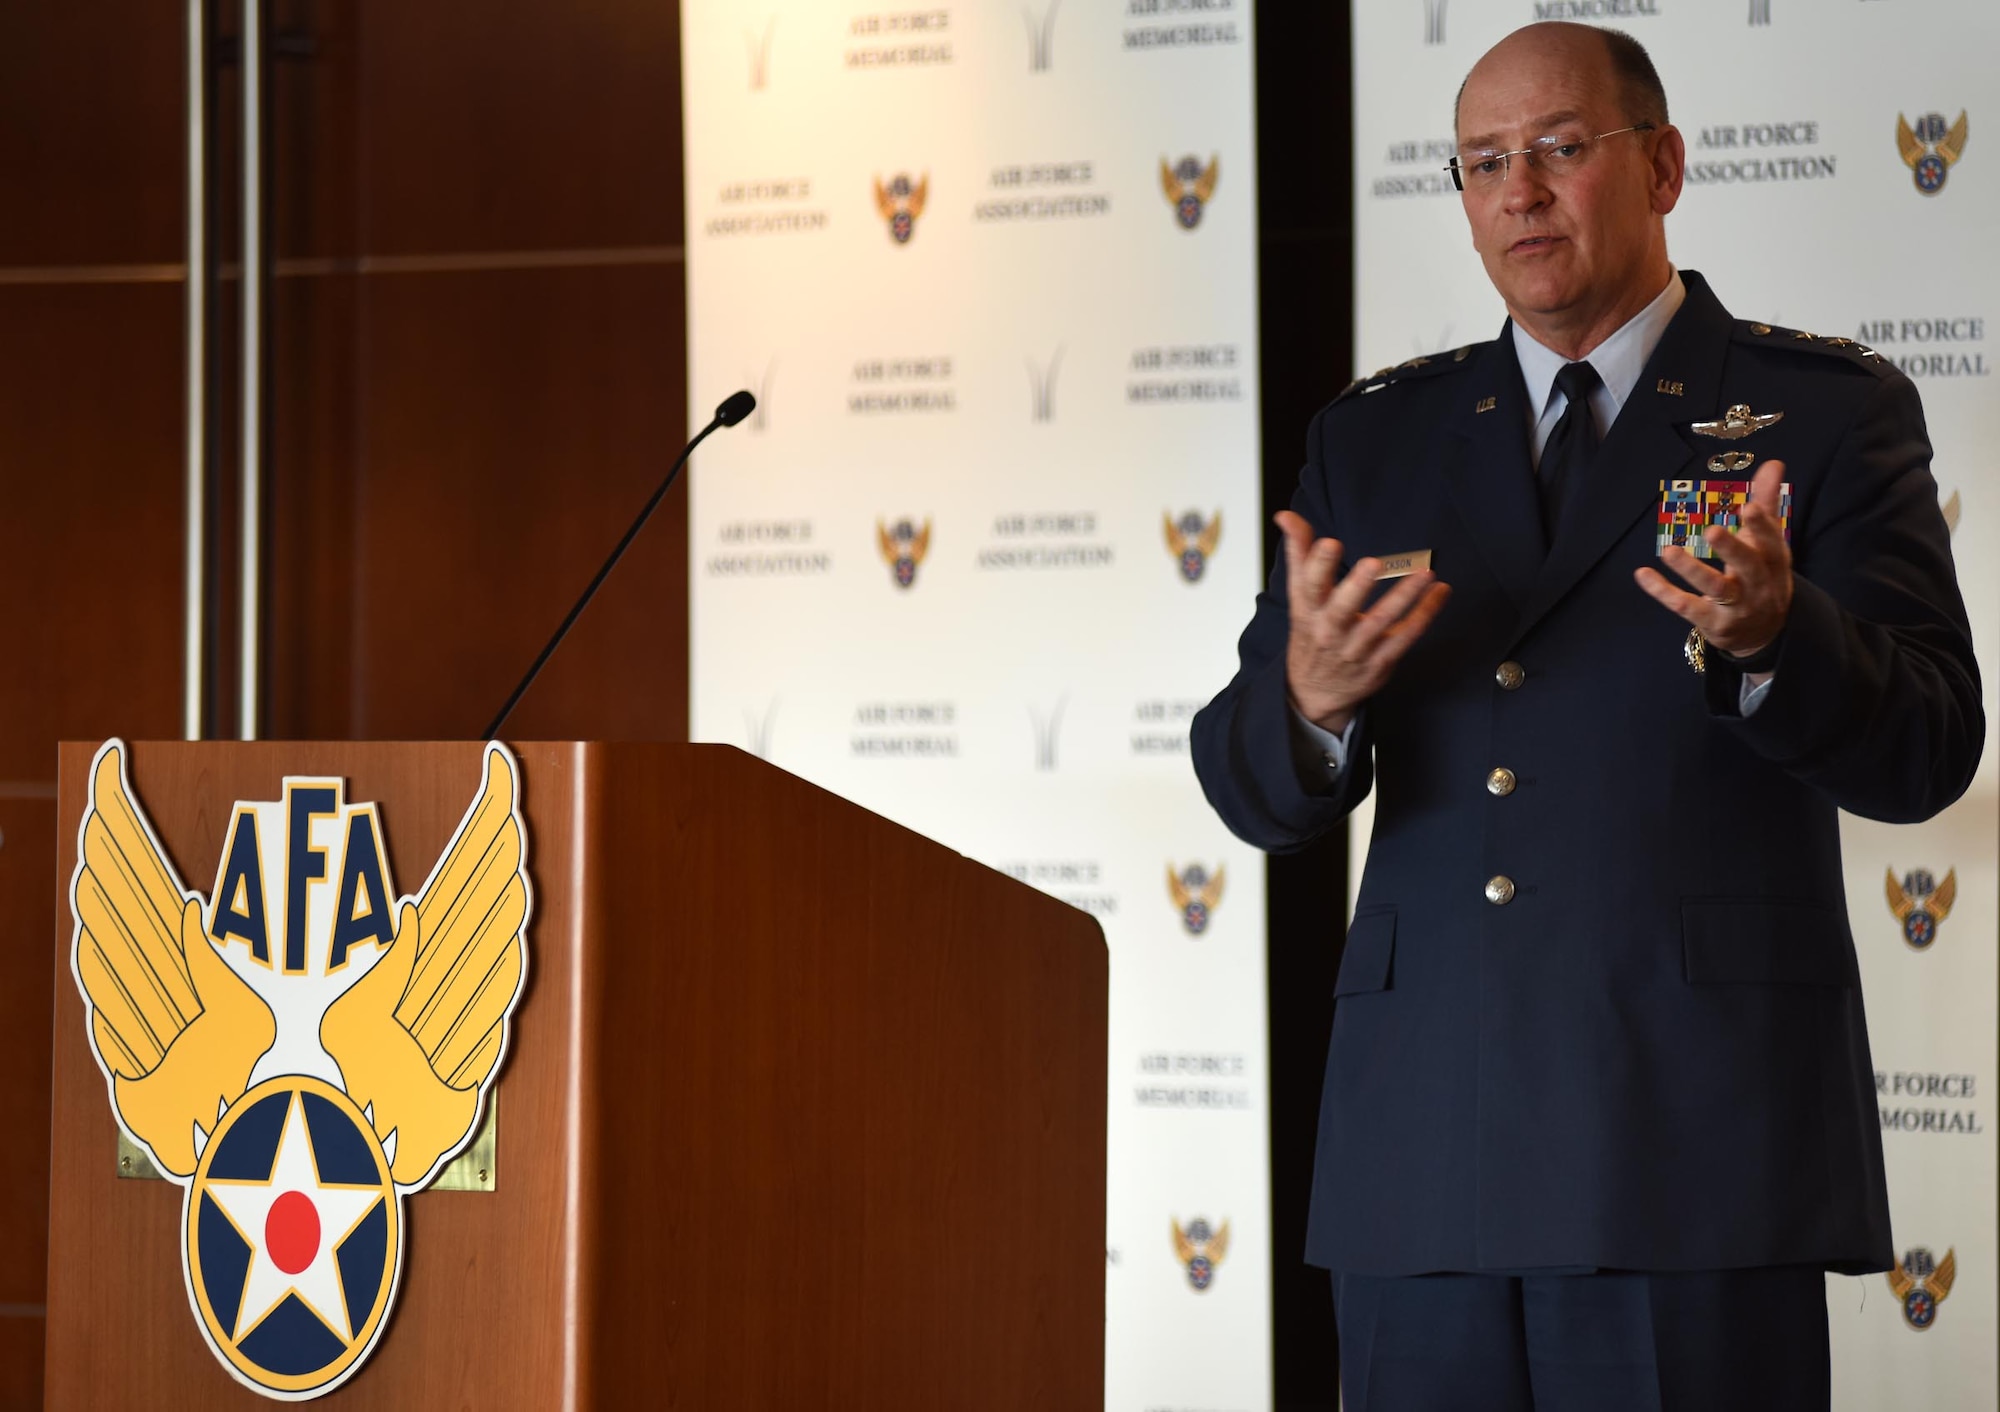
301, 1050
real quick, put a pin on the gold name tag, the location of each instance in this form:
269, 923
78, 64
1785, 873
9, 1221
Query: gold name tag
1395, 566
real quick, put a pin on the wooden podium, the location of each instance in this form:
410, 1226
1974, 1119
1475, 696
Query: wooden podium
801, 1110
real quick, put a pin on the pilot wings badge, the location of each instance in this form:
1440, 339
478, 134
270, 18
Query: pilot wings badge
1736, 423
300, 1050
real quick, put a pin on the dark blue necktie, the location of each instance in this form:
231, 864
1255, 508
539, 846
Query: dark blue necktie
1571, 446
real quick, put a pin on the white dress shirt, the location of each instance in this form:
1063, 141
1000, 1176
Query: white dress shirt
1618, 362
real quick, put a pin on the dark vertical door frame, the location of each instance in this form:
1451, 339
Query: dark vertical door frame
1304, 84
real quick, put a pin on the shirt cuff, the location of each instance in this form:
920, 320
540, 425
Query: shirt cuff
1750, 695
1320, 755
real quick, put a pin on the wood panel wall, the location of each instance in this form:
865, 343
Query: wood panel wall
475, 377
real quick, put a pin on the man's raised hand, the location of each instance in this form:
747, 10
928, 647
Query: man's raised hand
1742, 606
1341, 651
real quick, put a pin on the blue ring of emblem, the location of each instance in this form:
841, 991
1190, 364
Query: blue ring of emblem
1919, 930
1201, 1272
1919, 1308
335, 1107
1930, 174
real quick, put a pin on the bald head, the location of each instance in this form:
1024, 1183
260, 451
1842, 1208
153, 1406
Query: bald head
1628, 67
1567, 206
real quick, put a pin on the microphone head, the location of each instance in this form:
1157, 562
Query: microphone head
735, 408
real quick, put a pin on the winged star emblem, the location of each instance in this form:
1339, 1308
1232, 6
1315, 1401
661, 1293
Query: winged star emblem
1191, 540
1930, 148
1920, 1282
900, 203
297, 1051
903, 547
1921, 903
1189, 186
1200, 1249
1195, 894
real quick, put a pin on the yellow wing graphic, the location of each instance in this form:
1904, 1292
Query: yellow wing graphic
1218, 1244
1901, 1282
1211, 535
1900, 901
1950, 149
1176, 542
920, 543
420, 1034
1907, 143
1946, 894
885, 542
1169, 183
1211, 896
1204, 185
174, 1029
1943, 1277
918, 195
885, 204
1183, 1247
1178, 890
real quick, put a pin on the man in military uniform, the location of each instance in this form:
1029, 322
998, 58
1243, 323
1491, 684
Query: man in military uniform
1599, 1110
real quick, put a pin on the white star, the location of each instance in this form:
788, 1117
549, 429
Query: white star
337, 1209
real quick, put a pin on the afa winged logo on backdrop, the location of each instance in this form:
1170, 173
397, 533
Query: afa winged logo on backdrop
1921, 903
1189, 187
1930, 148
298, 1052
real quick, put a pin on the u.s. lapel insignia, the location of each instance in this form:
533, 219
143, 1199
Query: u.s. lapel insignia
1738, 422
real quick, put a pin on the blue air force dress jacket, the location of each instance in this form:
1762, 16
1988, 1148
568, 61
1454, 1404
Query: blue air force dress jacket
1653, 1056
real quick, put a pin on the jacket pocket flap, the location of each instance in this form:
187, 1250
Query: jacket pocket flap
1364, 963
1744, 942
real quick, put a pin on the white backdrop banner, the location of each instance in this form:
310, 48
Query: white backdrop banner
1835, 184
984, 548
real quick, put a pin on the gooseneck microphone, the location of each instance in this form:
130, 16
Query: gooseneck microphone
734, 409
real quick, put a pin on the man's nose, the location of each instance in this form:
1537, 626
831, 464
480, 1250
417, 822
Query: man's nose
1525, 187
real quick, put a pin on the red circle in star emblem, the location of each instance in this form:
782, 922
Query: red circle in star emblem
291, 1232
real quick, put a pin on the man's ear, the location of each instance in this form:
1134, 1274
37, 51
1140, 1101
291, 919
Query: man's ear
1669, 166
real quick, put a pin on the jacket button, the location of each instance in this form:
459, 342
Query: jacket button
1500, 783
1510, 675
1500, 890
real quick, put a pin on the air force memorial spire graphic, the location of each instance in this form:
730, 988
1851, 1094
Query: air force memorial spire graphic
299, 1052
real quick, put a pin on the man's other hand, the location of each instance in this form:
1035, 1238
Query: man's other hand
1341, 651
1741, 607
